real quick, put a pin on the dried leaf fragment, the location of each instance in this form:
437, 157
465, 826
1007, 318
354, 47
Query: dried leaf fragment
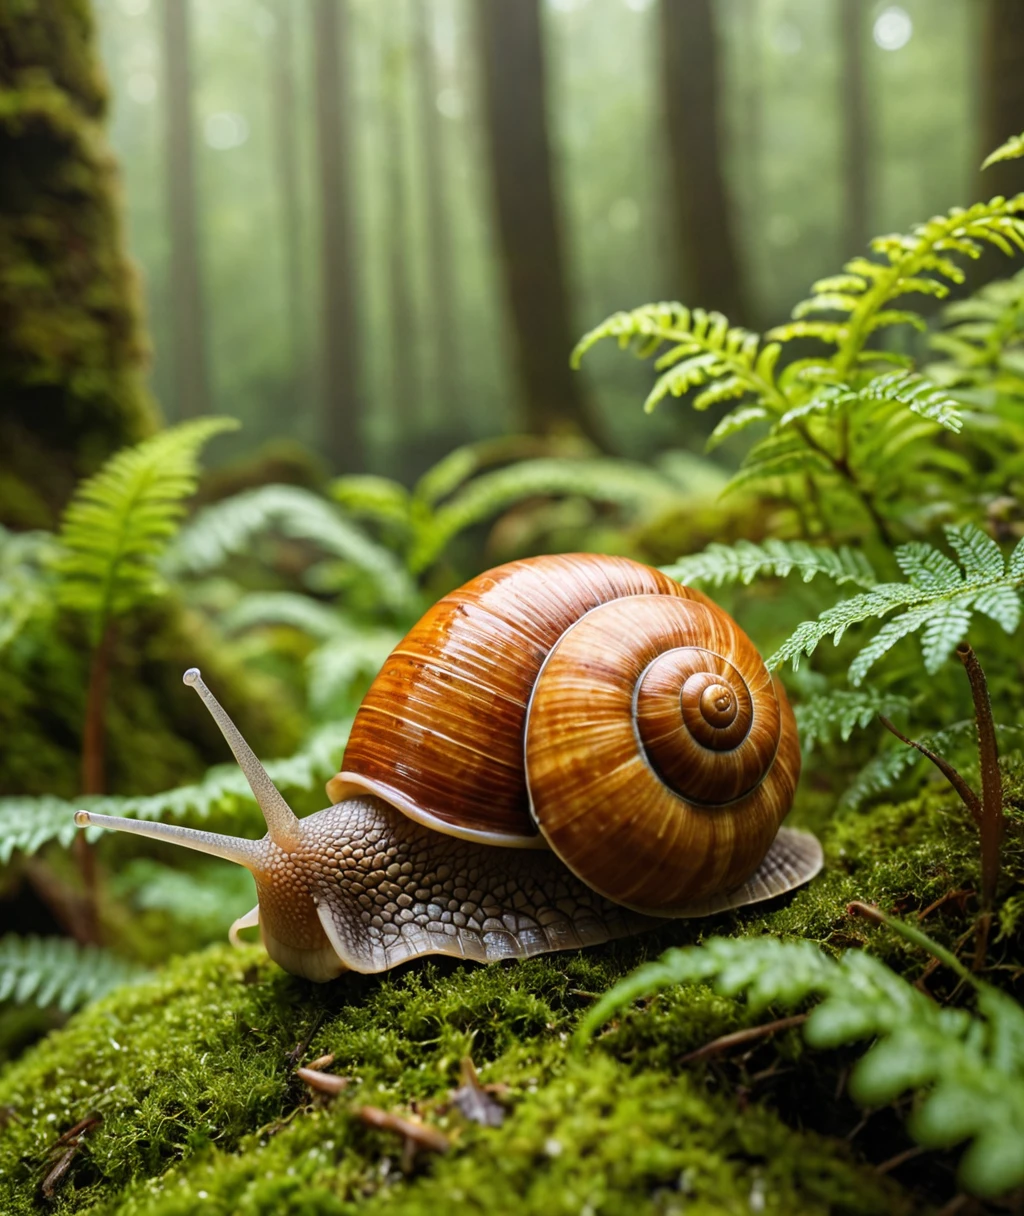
421, 1135
325, 1082
474, 1100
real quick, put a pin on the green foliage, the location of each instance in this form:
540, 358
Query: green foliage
460, 492
967, 1070
1012, 149
837, 714
57, 971
26, 592
983, 337
228, 528
26, 824
745, 561
120, 521
939, 600
844, 422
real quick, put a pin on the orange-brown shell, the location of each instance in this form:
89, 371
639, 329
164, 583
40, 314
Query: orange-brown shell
661, 756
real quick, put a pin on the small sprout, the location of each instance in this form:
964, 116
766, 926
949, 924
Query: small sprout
476, 1101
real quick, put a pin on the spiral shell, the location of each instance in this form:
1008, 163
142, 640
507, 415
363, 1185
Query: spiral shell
660, 755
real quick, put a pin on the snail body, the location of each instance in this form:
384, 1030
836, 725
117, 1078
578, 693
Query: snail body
562, 751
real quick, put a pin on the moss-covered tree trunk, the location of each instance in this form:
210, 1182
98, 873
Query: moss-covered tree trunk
72, 350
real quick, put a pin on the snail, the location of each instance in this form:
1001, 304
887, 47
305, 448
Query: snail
565, 750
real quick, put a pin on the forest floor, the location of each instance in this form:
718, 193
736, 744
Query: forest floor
188, 1080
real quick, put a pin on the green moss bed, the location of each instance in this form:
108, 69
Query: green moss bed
193, 1073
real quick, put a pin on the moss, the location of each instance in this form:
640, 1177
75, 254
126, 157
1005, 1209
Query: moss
192, 1074
72, 352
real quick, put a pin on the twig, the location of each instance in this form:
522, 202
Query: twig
325, 1082
970, 798
421, 1135
893, 1163
739, 1037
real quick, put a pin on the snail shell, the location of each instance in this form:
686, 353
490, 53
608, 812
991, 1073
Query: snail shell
592, 705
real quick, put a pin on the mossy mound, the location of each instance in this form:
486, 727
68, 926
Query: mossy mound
193, 1074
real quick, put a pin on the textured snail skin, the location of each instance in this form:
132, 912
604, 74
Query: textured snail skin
383, 890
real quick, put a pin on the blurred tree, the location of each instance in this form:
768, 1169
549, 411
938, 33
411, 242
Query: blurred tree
853, 107
341, 415
442, 311
708, 265
1002, 92
288, 173
403, 317
191, 382
72, 351
529, 231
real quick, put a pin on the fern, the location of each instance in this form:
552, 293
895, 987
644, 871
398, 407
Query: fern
1011, 150
120, 521
27, 824
905, 261
227, 528
57, 971
938, 601
967, 1070
302, 612
353, 654
745, 561
836, 715
984, 339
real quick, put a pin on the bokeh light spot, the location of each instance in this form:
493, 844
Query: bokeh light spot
893, 28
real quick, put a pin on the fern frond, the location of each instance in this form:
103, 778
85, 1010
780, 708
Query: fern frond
703, 348
836, 715
1011, 150
352, 654
783, 453
227, 528
745, 561
615, 481
369, 497
967, 1069
120, 521
55, 971
939, 599
984, 338
27, 824
735, 421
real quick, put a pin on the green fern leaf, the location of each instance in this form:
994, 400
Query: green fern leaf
896, 316
927, 568
269, 608
829, 301
918, 395
55, 971
1011, 150
745, 561
120, 521
1016, 566
831, 332
979, 554
945, 628
735, 421
376, 498
1000, 604
26, 586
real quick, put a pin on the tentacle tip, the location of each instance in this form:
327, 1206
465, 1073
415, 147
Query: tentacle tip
191, 677
82, 819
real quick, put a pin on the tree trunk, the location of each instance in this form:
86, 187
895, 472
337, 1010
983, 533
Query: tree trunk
442, 311
705, 248
1002, 93
405, 385
853, 107
339, 372
286, 157
191, 385
72, 350
527, 217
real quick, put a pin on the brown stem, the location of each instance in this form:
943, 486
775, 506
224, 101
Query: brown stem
970, 798
991, 823
739, 1037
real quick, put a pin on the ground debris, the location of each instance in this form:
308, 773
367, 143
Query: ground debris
476, 1101
70, 1142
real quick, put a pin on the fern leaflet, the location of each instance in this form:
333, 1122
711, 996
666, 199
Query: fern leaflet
1012, 149
836, 715
745, 561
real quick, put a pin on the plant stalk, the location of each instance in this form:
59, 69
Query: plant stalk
991, 824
